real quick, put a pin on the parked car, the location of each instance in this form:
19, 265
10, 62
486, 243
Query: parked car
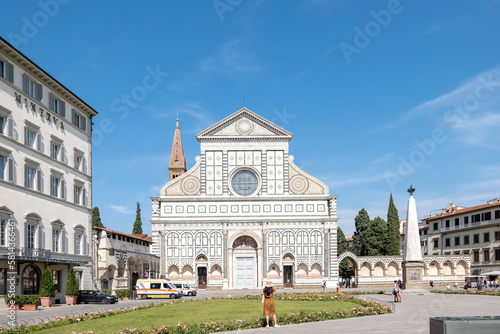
186, 289
95, 296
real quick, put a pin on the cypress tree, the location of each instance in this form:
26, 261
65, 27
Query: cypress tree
138, 223
342, 248
362, 221
376, 237
96, 217
393, 235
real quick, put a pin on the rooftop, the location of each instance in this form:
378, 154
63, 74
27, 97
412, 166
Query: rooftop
452, 210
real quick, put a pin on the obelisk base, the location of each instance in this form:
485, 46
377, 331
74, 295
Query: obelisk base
412, 275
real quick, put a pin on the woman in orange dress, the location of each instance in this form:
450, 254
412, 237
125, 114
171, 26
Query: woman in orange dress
268, 292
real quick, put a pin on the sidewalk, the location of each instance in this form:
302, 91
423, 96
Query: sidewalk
411, 316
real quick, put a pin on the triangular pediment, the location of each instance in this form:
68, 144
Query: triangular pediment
244, 124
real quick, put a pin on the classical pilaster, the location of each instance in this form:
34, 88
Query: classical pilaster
260, 268
264, 252
224, 250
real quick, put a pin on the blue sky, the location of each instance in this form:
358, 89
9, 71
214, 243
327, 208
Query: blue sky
378, 94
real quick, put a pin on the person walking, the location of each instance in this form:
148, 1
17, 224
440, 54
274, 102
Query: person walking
268, 300
323, 285
431, 284
395, 291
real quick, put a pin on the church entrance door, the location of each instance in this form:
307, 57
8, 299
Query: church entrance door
202, 277
244, 272
287, 276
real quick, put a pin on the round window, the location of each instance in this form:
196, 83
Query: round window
244, 182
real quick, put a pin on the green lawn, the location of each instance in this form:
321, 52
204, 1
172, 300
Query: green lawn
197, 311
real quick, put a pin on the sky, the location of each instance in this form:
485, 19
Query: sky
379, 95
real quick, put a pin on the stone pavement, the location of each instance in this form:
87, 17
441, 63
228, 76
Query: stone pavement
411, 316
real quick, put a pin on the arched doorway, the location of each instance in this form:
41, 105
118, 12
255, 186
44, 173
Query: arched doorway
348, 275
245, 258
31, 280
135, 277
201, 264
288, 262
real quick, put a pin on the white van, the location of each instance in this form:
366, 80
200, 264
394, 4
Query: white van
186, 289
156, 288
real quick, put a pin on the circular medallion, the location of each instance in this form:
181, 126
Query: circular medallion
244, 126
298, 184
190, 185
244, 182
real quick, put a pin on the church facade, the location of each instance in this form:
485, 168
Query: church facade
244, 213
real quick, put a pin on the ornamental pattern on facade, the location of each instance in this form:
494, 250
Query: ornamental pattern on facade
245, 212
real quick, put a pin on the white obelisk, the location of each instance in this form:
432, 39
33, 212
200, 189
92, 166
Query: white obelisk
413, 265
412, 251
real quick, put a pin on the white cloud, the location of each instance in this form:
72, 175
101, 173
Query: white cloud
231, 58
121, 209
468, 113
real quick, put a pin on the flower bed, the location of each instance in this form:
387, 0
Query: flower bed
468, 292
365, 308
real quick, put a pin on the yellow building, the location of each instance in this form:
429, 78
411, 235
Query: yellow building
473, 231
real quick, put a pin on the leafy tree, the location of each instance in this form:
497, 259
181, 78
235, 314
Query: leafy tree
71, 285
393, 235
342, 248
47, 286
138, 223
376, 237
96, 217
341, 242
362, 221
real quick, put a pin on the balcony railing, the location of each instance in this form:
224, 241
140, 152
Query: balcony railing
474, 224
38, 253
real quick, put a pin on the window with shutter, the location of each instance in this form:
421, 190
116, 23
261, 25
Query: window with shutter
11, 170
63, 189
10, 73
6, 71
3, 167
3, 122
11, 128
39, 180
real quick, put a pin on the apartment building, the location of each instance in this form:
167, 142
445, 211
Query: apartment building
473, 231
45, 177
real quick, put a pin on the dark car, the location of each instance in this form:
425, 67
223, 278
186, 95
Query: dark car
95, 296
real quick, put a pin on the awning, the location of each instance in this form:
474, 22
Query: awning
492, 273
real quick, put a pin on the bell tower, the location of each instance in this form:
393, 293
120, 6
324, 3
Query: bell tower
177, 164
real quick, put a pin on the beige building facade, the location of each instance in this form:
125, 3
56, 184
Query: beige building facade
45, 177
473, 232
121, 259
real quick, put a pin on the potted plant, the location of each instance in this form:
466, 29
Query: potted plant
31, 302
72, 290
14, 302
47, 288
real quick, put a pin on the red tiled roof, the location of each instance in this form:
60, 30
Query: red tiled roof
143, 237
464, 210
